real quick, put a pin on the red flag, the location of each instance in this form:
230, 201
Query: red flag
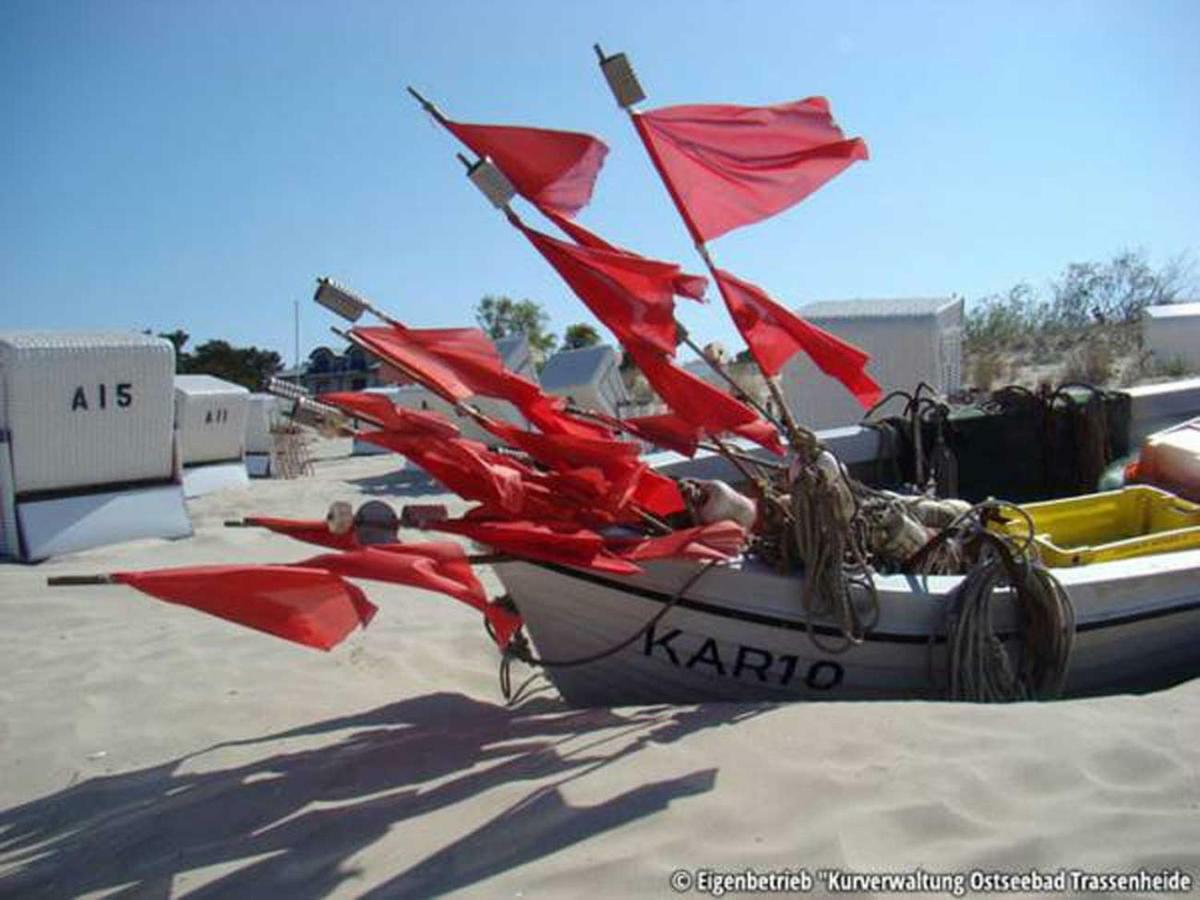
539, 541
390, 345
505, 623
465, 467
440, 566
547, 414
717, 540
701, 404
456, 363
552, 169
774, 335
311, 531
383, 412
657, 494
728, 166
565, 452
307, 606
556, 172
685, 285
633, 296
666, 430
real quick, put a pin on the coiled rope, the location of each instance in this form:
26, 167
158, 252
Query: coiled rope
830, 543
980, 667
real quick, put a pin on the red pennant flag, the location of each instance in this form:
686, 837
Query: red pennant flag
717, 540
685, 285
390, 345
634, 297
505, 623
565, 452
439, 566
666, 430
555, 170
381, 411
728, 166
306, 606
465, 467
311, 531
701, 404
547, 414
774, 335
657, 494
456, 363
435, 566
539, 541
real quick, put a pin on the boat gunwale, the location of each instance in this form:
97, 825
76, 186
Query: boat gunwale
911, 584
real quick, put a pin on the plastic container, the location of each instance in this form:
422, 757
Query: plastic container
1170, 460
1134, 521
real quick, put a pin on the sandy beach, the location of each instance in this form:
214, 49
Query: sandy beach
149, 750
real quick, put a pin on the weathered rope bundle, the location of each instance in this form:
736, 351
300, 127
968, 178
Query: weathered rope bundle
979, 665
830, 543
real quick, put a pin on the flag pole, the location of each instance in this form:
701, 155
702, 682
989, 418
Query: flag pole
628, 97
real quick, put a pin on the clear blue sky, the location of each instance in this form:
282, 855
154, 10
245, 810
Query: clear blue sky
198, 164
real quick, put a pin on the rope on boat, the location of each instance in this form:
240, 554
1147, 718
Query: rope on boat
518, 648
979, 665
831, 544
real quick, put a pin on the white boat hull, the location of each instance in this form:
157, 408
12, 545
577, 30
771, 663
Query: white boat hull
738, 633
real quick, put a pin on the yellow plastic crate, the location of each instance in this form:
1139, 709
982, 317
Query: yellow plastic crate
1134, 521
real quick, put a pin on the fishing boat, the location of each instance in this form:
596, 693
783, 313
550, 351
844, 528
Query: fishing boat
738, 632
628, 586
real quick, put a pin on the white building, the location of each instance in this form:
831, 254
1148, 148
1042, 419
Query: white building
1172, 333
210, 431
263, 414
909, 340
87, 452
589, 378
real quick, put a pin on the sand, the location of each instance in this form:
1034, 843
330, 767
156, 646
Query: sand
148, 750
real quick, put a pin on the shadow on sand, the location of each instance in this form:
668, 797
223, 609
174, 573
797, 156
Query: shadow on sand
407, 482
306, 812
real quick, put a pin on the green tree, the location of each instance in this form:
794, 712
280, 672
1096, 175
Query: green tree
580, 335
178, 339
247, 366
1085, 294
1115, 291
501, 316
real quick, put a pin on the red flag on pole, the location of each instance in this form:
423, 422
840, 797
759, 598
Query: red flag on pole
306, 606
466, 467
717, 540
393, 345
555, 170
728, 166
565, 545
685, 284
774, 335
633, 296
547, 413
701, 404
310, 531
456, 363
439, 566
666, 430
381, 411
